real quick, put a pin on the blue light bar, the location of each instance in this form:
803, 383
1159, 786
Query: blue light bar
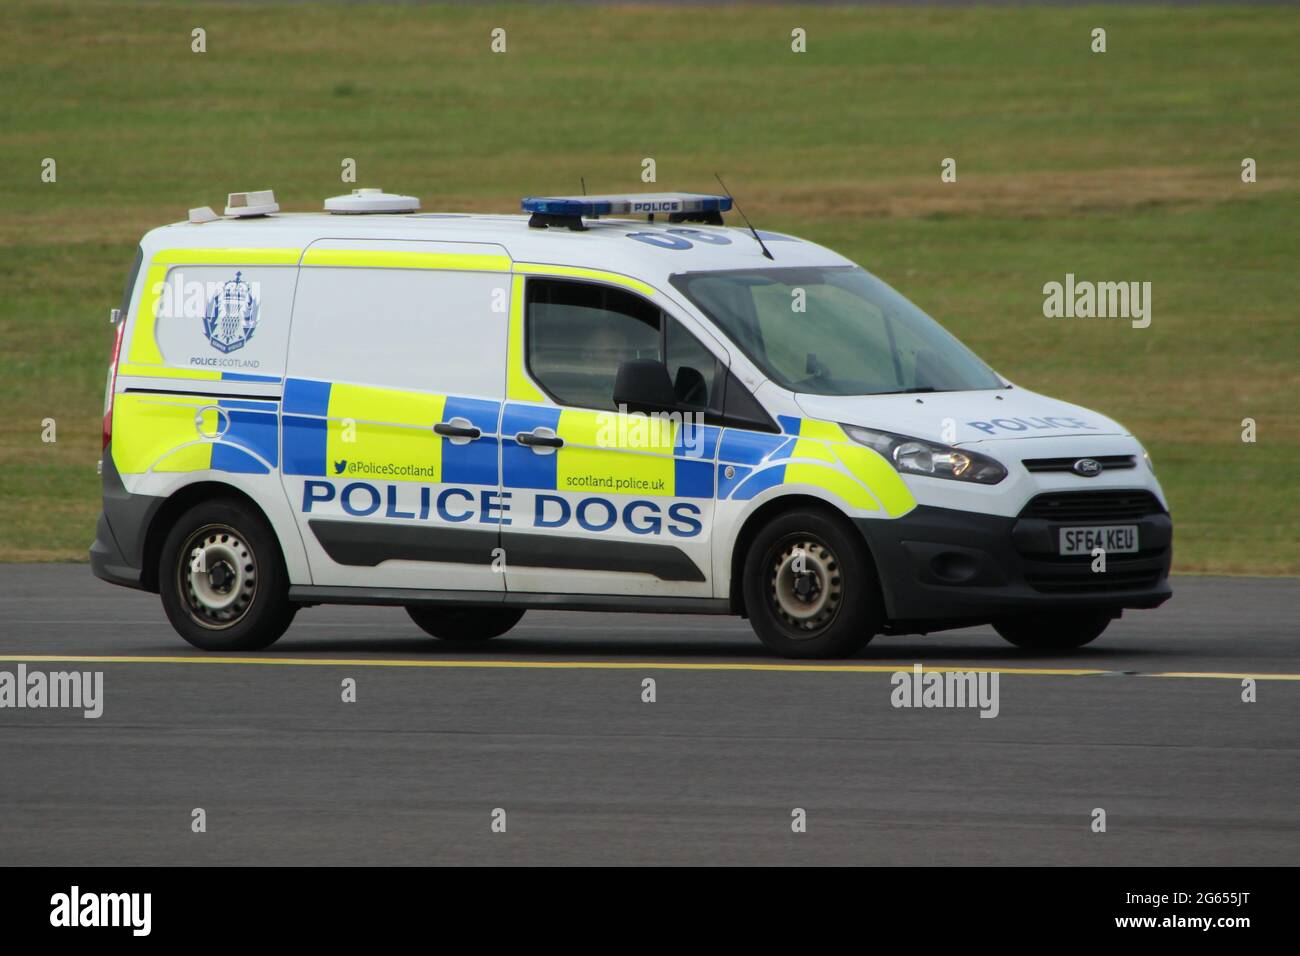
631, 204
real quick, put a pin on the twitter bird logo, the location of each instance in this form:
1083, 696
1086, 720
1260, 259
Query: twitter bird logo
339, 466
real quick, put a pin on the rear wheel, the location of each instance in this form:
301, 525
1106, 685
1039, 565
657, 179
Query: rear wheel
466, 625
810, 587
1053, 632
222, 579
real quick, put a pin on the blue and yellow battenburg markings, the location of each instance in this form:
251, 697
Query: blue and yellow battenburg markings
815, 453
161, 433
341, 430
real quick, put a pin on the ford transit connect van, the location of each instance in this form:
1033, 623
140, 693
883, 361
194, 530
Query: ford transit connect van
474, 415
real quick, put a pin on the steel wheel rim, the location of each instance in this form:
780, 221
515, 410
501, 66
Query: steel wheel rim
804, 585
217, 576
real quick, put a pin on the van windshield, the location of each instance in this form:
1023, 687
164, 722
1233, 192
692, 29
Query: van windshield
834, 331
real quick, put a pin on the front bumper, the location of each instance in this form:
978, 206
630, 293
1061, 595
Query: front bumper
940, 567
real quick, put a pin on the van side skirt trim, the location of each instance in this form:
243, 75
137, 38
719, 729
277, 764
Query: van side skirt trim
664, 561
312, 594
367, 544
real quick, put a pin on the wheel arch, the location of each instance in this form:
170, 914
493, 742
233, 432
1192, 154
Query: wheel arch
765, 513
175, 506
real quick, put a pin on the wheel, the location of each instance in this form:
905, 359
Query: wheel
222, 579
1053, 632
810, 586
464, 624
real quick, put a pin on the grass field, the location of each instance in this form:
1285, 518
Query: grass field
1116, 166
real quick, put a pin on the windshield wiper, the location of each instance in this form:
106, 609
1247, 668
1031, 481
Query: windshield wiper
913, 391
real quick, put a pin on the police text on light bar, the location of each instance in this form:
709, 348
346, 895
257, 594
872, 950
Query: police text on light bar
631, 204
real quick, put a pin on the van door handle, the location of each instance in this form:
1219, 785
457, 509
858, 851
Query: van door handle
538, 438
451, 430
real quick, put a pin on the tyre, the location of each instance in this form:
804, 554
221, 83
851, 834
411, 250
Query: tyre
222, 580
1053, 632
466, 625
810, 586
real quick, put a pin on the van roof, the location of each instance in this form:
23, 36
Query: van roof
649, 251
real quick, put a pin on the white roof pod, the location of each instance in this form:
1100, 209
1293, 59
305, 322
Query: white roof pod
371, 201
259, 203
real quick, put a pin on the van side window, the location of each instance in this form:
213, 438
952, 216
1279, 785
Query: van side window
578, 334
692, 368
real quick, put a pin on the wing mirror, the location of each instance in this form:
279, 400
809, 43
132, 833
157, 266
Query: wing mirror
643, 385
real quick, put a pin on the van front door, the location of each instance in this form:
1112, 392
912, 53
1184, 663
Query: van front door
602, 501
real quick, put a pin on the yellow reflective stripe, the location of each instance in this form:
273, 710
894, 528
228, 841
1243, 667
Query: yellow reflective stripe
880, 478
162, 371
149, 429
624, 454
610, 430
519, 387
807, 448
144, 344
596, 275
372, 259
228, 257
193, 457
821, 431
613, 472
388, 406
383, 433
872, 470
144, 347
828, 479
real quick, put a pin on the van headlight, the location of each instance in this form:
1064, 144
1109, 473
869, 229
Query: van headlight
915, 456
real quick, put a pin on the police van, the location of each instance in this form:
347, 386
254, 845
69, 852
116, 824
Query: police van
608, 403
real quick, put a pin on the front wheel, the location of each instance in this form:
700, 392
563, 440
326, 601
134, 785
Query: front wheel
222, 579
810, 587
466, 625
1053, 632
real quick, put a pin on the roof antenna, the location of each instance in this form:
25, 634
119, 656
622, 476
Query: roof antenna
583, 180
757, 237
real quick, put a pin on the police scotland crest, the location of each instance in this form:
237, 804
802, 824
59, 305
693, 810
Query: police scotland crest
231, 316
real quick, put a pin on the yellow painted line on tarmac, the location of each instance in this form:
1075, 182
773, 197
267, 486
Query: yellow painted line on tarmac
1219, 676
624, 665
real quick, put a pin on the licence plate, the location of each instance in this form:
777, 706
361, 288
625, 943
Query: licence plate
1114, 539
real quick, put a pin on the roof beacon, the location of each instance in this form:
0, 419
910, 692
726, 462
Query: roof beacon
260, 203
371, 201
569, 211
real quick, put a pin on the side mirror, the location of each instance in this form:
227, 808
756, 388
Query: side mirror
643, 385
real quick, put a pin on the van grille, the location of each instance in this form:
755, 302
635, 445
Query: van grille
1082, 581
1107, 462
1092, 505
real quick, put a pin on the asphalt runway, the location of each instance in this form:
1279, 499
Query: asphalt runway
547, 723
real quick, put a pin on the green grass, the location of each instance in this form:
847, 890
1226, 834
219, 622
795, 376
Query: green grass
1120, 166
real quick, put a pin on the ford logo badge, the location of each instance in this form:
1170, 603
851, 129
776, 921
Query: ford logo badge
1087, 468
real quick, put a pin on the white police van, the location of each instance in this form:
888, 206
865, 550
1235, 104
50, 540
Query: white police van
473, 415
